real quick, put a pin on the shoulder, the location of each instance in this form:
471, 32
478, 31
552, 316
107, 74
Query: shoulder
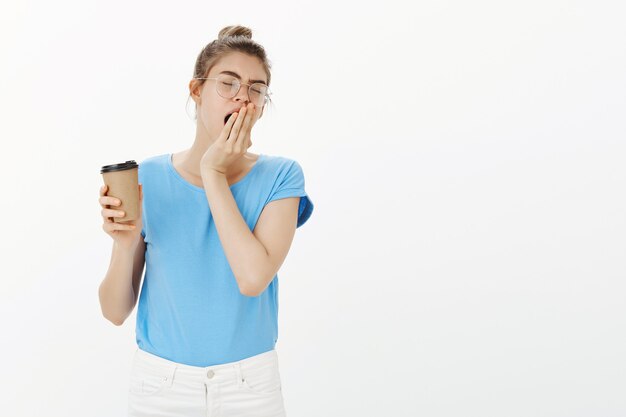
281, 164
150, 164
288, 181
284, 172
154, 160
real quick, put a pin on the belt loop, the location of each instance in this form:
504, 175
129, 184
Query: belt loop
239, 374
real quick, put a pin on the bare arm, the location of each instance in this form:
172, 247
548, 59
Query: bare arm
245, 254
253, 257
119, 290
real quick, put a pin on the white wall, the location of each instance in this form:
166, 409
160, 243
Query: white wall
466, 161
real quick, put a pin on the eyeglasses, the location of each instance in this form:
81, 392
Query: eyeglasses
228, 86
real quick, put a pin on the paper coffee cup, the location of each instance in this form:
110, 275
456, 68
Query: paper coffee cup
123, 184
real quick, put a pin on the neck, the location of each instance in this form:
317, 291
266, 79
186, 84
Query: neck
189, 159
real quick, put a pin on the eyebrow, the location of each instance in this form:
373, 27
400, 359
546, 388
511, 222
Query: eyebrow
234, 74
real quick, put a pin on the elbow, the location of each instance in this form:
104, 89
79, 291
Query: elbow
116, 321
253, 280
248, 291
107, 312
249, 288
253, 288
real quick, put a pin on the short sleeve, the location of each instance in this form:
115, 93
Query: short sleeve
290, 183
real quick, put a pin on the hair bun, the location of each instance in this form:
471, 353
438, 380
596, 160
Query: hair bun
235, 30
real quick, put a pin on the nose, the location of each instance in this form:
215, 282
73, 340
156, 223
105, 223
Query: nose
242, 94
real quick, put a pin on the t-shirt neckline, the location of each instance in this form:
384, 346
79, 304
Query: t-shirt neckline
176, 174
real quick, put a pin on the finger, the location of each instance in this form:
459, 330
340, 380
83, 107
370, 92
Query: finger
108, 213
109, 227
245, 129
250, 120
257, 113
254, 118
109, 201
234, 133
229, 125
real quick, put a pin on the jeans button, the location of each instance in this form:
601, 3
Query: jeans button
210, 374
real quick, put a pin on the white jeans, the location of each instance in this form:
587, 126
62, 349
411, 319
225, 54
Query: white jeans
249, 387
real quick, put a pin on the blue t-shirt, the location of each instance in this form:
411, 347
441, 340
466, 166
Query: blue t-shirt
190, 308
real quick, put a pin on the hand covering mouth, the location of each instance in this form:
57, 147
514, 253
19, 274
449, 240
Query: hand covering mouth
230, 114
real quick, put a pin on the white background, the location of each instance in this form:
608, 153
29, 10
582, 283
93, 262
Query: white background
465, 256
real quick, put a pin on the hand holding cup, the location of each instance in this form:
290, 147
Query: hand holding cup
125, 234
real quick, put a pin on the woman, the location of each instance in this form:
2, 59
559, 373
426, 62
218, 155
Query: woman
216, 225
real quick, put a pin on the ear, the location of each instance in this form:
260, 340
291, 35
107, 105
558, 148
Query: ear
194, 90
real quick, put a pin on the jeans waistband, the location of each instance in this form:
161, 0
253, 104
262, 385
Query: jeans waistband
147, 359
